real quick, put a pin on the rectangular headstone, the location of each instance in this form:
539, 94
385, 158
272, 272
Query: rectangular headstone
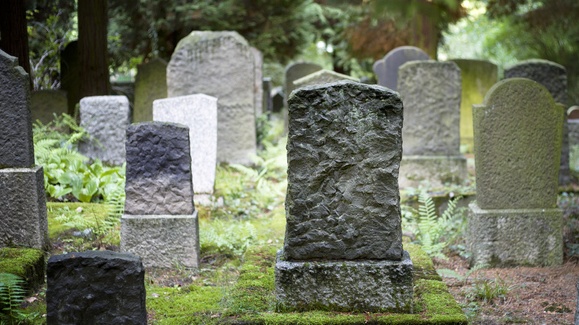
258, 86
150, 84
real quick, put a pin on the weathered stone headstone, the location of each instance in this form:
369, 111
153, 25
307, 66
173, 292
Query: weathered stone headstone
150, 84
322, 77
552, 76
277, 99
45, 103
219, 64
296, 71
70, 74
258, 86
160, 222
387, 73
478, 76
199, 113
378, 68
515, 220
431, 94
23, 219
105, 118
343, 242
95, 287
267, 102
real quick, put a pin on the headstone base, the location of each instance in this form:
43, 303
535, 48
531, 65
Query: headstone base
368, 285
436, 170
162, 241
515, 237
23, 220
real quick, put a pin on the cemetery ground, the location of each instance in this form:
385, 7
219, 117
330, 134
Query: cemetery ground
244, 227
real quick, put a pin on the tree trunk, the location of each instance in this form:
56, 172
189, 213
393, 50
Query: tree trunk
13, 31
92, 47
425, 35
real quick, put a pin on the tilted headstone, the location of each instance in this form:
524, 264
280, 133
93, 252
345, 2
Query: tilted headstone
199, 113
478, 76
296, 71
105, 118
552, 76
160, 222
95, 287
150, 84
387, 73
70, 74
23, 219
431, 94
258, 86
515, 220
219, 64
44, 104
343, 242
322, 77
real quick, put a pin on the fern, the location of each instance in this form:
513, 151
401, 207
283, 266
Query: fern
12, 294
229, 238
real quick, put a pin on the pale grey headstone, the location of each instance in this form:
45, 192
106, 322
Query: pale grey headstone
258, 86
388, 76
322, 77
44, 104
219, 64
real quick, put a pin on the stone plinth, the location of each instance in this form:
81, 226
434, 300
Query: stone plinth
434, 170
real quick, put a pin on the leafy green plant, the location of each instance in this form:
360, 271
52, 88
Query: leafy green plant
231, 237
488, 290
12, 294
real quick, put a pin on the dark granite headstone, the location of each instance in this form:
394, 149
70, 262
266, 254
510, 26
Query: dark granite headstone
70, 74
277, 99
387, 74
267, 101
95, 287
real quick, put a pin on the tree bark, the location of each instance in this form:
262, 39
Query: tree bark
13, 31
92, 47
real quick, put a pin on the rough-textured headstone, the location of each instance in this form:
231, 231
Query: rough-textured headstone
431, 93
515, 220
258, 86
95, 287
16, 148
105, 118
296, 71
343, 206
199, 113
322, 77
387, 73
160, 222
219, 64
44, 104
70, 74
478, 76
554, 77
150, 84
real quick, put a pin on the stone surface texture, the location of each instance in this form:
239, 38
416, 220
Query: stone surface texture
150, 84
266, 100
277, 99
393, 61
431, 171
16, 148
344, 149
96, 287
478, 76
515, 237
322, 77
219, 64
517, 146
296, 71
163, 241
23, 220
199, 113
158, 176
431, 94
573, 134
362, 286
45, 103
106, 119
258, 86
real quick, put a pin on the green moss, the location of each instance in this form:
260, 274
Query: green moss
423, 266
176, 305
54, 209
28, 263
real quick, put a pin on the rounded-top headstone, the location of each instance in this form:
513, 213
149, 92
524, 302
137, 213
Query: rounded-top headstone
296, 71
518, 131
396, 58
549, 74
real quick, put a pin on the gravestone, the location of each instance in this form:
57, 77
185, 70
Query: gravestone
277, 99
150, 84
105, 118
23, 220
343, 243
478, 76
387, 73
322, 77
95, 287
160, 222
296, 71
219, 64
267, 102
431, 94
515, 219
45, 103
258, 86
552, 76
199, 113
70, 74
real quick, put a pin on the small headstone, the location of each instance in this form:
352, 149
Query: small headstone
70, 74
267, 102
160, 222
343, 244
220, 64
105, 118
322, 77
199, 113
258, 86
552, 76
387, 73
515, 220
277, 99
44, 104
95, 287
150, 84
296, 71
431, 94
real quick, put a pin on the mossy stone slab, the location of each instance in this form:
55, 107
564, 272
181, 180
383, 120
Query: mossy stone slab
27, 263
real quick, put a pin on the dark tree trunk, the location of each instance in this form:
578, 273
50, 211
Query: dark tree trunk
92, 47
13, 32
